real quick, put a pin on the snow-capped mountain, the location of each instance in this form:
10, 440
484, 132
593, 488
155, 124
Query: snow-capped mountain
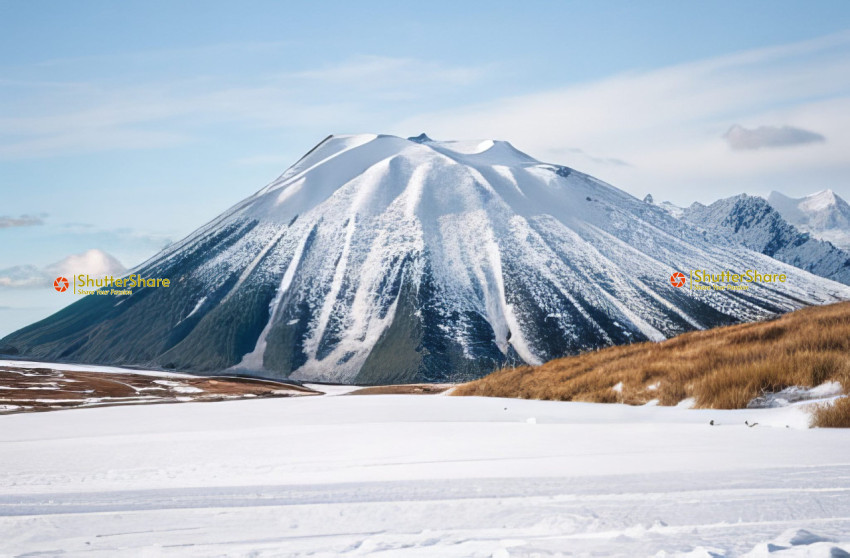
753, 222
824, 215
379, 259
672, 209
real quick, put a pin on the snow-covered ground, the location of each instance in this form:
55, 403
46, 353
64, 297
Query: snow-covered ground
27, 386
421, 476
90, 368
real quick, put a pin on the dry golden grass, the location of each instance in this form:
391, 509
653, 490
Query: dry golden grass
722, 368
833, 416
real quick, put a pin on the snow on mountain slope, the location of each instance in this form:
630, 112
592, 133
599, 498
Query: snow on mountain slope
824, 214
753, 222
672, 209
379, 259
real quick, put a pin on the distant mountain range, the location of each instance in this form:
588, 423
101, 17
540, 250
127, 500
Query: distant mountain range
824, 215
764, 225
380, 259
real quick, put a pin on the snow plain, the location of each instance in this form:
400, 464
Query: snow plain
421, 476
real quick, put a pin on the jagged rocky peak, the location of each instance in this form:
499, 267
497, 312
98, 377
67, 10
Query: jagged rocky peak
753, 222
421, 138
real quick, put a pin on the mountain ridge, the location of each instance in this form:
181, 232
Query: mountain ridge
825, 215
753, 222
379, 259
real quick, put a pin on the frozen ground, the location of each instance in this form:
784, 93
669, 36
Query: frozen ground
421, 476
37, 386
90, 368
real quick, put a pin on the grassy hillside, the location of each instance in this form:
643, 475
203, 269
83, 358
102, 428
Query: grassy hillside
721, 368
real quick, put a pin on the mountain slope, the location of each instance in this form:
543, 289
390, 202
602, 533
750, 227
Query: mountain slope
824, 214
378, 259
752, 221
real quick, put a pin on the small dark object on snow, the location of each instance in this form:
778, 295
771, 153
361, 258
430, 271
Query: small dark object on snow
751, 425
711, 422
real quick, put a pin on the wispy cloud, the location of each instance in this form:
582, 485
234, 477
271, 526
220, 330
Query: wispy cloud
668, 123
741, 138
163, 55
23, 277
93, 262
386, 73
22, 221
125, 234
278, 160
612, 161
103, 115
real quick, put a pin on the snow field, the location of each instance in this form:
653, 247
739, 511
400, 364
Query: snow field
407, 475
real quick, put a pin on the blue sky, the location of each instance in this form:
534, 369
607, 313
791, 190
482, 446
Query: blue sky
127, 125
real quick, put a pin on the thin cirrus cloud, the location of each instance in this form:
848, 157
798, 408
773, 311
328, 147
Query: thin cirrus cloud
740, 138
381, 72
668, 123
612, 161
103, 115
7, 222
658, 130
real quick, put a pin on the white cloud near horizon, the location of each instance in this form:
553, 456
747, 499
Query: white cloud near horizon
668, 123
93, 262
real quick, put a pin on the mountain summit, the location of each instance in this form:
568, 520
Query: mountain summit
379, 259
825, 215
